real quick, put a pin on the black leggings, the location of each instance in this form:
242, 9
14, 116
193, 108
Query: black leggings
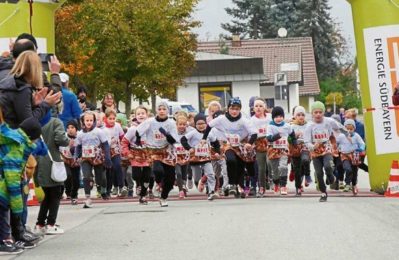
165, 175
50, 205
72, 183
236, 168
141, 175
301, 167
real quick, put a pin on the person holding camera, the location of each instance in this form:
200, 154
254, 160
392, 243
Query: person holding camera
82, 97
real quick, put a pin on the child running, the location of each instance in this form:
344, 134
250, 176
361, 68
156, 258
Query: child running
161, 134
94, 151
182, 156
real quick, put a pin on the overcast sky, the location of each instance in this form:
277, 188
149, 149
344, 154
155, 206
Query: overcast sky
211, 13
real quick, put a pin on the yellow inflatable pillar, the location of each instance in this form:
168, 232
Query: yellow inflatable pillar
377, 42
15, 19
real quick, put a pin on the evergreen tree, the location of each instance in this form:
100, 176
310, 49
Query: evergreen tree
302, 18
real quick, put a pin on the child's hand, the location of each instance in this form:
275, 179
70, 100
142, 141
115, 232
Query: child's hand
248, 147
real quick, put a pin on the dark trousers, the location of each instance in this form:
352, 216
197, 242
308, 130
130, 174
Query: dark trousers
339, 168
181, 175
115, 175
321, 164
141, 175
99, 174
49, 206
5, 229
165, 175
301, 166
72, 183
350, 172
236, 168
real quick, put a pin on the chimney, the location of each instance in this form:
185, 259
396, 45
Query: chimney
236, 41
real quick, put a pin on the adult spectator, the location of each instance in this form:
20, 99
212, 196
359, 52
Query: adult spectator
23, 86
342, 115
82, 97
108, 102
328, 112
72, 108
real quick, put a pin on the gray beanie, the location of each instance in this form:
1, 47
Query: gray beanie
350, 122
163, 103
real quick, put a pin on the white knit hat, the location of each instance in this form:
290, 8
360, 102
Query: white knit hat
299, 109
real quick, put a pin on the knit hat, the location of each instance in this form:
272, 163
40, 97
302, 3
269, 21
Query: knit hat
73, 123
277, 111
318, 105
199, 117
336, 118
350, 122
299, 109
163, 103
234, 102
32, 128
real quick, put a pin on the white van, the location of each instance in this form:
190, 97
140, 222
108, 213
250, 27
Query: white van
175, 106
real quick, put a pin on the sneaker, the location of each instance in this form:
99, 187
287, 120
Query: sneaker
292, 176
308, 181
143, 201
355, 190
88, 204
190, 184
40, 229
226, 191
341, 185
347, 188
261, 192
181, 194
298, 192
283, 191
104, 196
276, 189
211, 196
252, 191
323, 197
54, 230
138, 190
201, 186
331, 181
74, 202
8, 248
24, 245
124, 192
98, 195
233, 190
246, 191
130, 194
241, 193
163, 203
115, 191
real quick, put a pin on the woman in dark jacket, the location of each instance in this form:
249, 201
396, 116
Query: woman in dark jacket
22, 94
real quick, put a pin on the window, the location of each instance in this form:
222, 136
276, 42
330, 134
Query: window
281, 92
214, 92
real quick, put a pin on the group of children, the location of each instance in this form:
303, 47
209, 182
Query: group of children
225, 153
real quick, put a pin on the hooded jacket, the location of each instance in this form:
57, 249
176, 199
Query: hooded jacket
16, 102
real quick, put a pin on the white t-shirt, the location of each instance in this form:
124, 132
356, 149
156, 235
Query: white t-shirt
237, 130
150, 128
261, 124
114, 134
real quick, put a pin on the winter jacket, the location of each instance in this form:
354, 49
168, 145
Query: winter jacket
15, 148
54, 136
71, 107
16, 102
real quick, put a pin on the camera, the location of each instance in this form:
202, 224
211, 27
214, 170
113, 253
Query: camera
45, 58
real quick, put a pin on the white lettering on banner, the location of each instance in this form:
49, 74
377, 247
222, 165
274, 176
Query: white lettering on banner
382, 53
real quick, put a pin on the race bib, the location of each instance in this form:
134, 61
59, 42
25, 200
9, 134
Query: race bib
66, 152
202, 150
158, 136
114, 143
180, 149
88, 151
321, 137
261, 132
233, 139
281, 143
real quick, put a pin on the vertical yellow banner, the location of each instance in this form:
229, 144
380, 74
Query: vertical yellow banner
377, 42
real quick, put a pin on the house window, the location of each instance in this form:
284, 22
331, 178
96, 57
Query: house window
281, 92
214, 92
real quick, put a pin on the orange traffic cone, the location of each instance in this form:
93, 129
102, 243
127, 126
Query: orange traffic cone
32, 199
393, 185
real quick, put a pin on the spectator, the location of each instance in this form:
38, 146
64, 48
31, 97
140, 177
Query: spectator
17, 91
108, 102
342, 115
72, 108
328, 112
82, 97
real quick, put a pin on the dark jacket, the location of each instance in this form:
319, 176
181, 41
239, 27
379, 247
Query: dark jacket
16, 102
71, 108
54, 136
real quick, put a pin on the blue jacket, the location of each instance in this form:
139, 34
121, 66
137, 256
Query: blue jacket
360, 129
71, 107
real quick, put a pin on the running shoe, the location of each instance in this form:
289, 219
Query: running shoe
115, 191
355, 190
190, 184
261, 192
181, 194
292, 176
347, 188
241, 193
54, 230
233, 190
24, 245
74, 201
298, 192
9, 248
276, 188
283, 191
246, 191
163, 203
143, 201
211, 196
323, 197
341, 185
308, 181
39, 229
88, 204
124, 192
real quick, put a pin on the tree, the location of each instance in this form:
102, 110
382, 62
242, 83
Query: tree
301, 18
135, 47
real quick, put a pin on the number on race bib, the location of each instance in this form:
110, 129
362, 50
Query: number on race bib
262, 132
234, 140
180, 149
88, 152
202, 150
158, 136
320, 137
66, 152
282, 143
